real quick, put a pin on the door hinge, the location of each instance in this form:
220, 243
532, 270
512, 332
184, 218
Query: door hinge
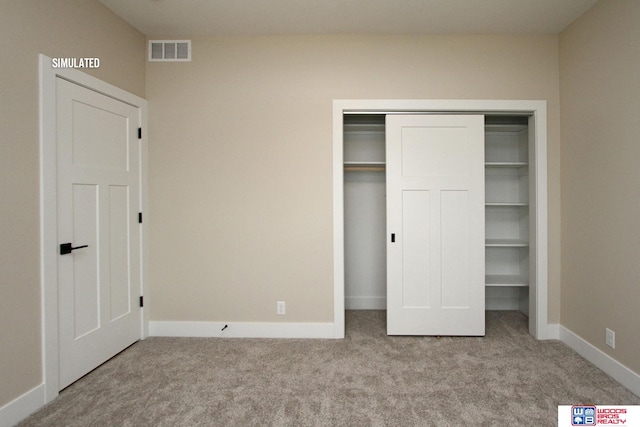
139, 217
141, 301
139, 133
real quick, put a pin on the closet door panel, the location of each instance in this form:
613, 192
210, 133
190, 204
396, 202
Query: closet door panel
435, 222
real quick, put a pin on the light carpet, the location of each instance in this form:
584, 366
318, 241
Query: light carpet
506, 378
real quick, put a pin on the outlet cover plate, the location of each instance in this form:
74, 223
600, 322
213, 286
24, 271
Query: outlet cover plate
610, 338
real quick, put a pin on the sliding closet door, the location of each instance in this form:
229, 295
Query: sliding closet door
435, 225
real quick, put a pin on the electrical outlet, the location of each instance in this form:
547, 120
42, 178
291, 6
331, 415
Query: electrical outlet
280, 307
610, 338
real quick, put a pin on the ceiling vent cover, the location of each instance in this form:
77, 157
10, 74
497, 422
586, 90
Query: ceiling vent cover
169, 50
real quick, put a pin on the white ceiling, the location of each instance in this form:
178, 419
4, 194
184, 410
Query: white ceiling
191, 18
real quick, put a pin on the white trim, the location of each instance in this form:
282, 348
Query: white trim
48, 228
600, 359
22, 406
538, 293
338, 220
241, 330
48, 208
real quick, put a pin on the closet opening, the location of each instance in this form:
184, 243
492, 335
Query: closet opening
365, 256
515, 217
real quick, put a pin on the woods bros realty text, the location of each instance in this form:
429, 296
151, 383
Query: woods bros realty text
75, 62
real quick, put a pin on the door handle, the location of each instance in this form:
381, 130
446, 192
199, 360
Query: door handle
66, 248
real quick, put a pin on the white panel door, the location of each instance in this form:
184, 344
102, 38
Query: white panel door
435, 225
98, 176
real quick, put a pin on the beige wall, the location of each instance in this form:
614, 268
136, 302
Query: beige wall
74, 28
600, 92
241, 157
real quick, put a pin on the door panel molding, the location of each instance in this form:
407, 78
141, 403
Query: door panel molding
48, 207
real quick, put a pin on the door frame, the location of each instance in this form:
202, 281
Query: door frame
535, 109
48, 208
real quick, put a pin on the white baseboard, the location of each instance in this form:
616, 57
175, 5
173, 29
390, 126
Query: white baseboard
609, 365
241, 330
365, 303
22, 406
502, 304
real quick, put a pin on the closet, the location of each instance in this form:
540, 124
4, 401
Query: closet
508, 220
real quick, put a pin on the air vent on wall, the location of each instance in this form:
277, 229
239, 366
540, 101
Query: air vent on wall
170, 50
